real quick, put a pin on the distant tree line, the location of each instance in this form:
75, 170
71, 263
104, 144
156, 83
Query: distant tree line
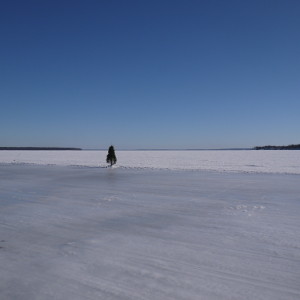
37, 148
289, 147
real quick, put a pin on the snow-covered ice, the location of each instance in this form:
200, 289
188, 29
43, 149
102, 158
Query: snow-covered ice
253, 161
74, 232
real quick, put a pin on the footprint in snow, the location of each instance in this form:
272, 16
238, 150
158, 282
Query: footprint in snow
2, 241
246, 209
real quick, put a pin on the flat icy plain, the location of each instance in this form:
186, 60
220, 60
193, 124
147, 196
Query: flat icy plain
284, 162
73, 232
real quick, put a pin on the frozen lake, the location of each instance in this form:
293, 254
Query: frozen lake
284, 162
73, 232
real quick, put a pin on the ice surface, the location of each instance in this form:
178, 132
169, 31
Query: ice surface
100, 233
287, 162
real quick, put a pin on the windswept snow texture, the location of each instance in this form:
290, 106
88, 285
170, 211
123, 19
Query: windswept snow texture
96, 233
286, 162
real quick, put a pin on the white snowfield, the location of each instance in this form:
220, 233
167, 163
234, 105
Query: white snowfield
286, 162
75, 231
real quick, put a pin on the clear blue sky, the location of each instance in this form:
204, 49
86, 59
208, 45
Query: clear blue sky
149, 74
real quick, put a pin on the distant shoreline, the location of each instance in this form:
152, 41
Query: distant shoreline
289, 147
38, 148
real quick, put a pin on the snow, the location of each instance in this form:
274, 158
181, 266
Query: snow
286, 162
75, 232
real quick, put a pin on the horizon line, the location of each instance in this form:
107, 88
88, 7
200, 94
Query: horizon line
170, 149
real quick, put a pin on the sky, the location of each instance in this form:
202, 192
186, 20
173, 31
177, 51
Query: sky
149, 74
